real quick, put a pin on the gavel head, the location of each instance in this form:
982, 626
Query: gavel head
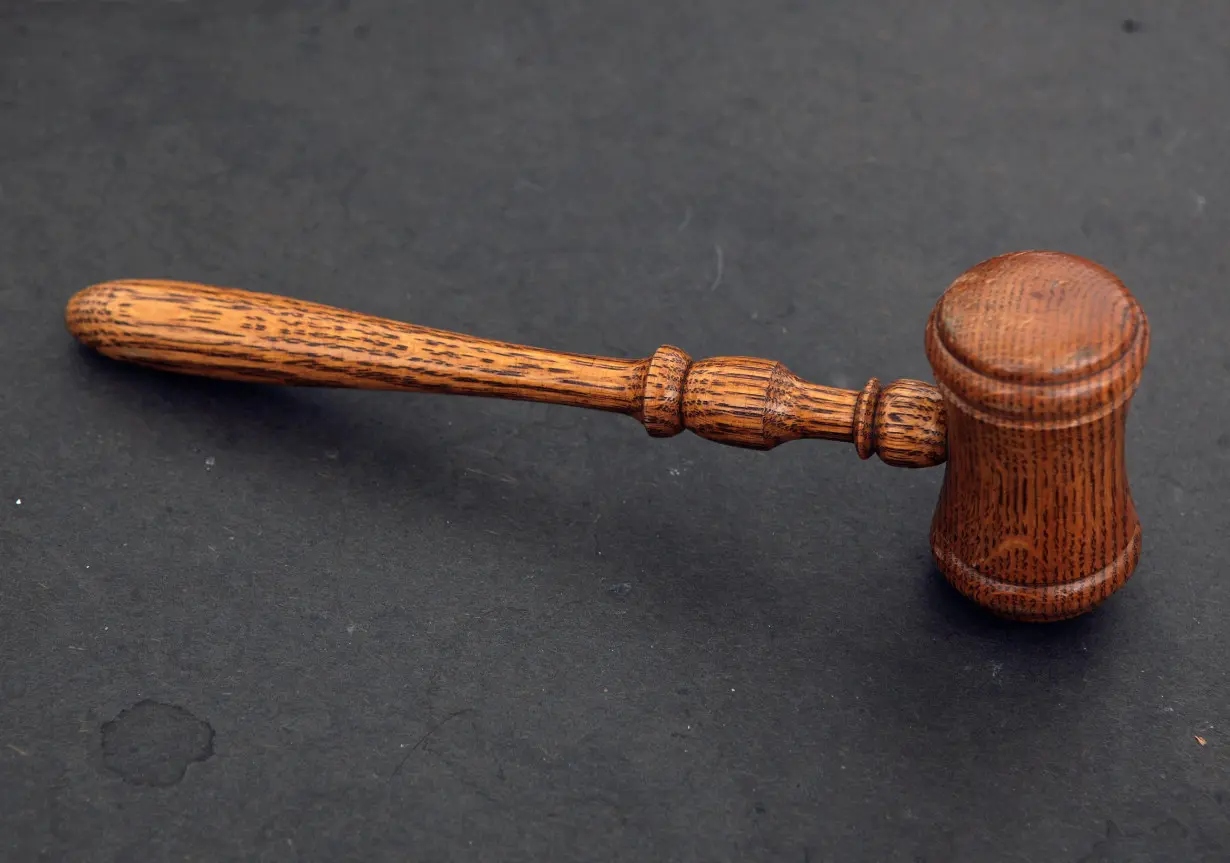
1036, 355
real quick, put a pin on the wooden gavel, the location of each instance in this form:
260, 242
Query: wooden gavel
1036, 356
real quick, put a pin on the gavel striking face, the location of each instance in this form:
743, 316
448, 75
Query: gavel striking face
1035, 354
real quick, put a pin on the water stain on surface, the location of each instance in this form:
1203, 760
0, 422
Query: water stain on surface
152, 743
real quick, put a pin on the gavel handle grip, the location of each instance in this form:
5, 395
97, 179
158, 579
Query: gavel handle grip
740, 401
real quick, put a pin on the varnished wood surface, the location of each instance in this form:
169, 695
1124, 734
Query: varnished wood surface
1037, 355
738, 401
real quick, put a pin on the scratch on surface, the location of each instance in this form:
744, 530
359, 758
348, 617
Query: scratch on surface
26, 754
421, 742
501, 477
348, 190
687, 219
717, 280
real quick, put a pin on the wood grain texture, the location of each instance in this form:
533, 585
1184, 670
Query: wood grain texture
1037, 355
738, 401
909, 425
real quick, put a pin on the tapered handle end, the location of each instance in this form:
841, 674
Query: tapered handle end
89, 314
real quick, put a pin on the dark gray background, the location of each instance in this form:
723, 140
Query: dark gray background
418, 627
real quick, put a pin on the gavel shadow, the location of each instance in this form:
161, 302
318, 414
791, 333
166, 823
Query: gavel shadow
295, 422
987, 694
393, 469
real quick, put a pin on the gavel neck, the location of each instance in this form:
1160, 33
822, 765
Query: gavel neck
759, 404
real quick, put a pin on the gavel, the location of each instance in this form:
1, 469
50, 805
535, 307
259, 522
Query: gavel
1035, 354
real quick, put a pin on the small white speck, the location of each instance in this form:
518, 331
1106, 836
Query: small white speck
19, 501
403, 746
732, 689
674, 471
87, 566
209, 462
350, 629
1200, 202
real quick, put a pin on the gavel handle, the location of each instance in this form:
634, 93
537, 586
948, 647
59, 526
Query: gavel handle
739, 401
